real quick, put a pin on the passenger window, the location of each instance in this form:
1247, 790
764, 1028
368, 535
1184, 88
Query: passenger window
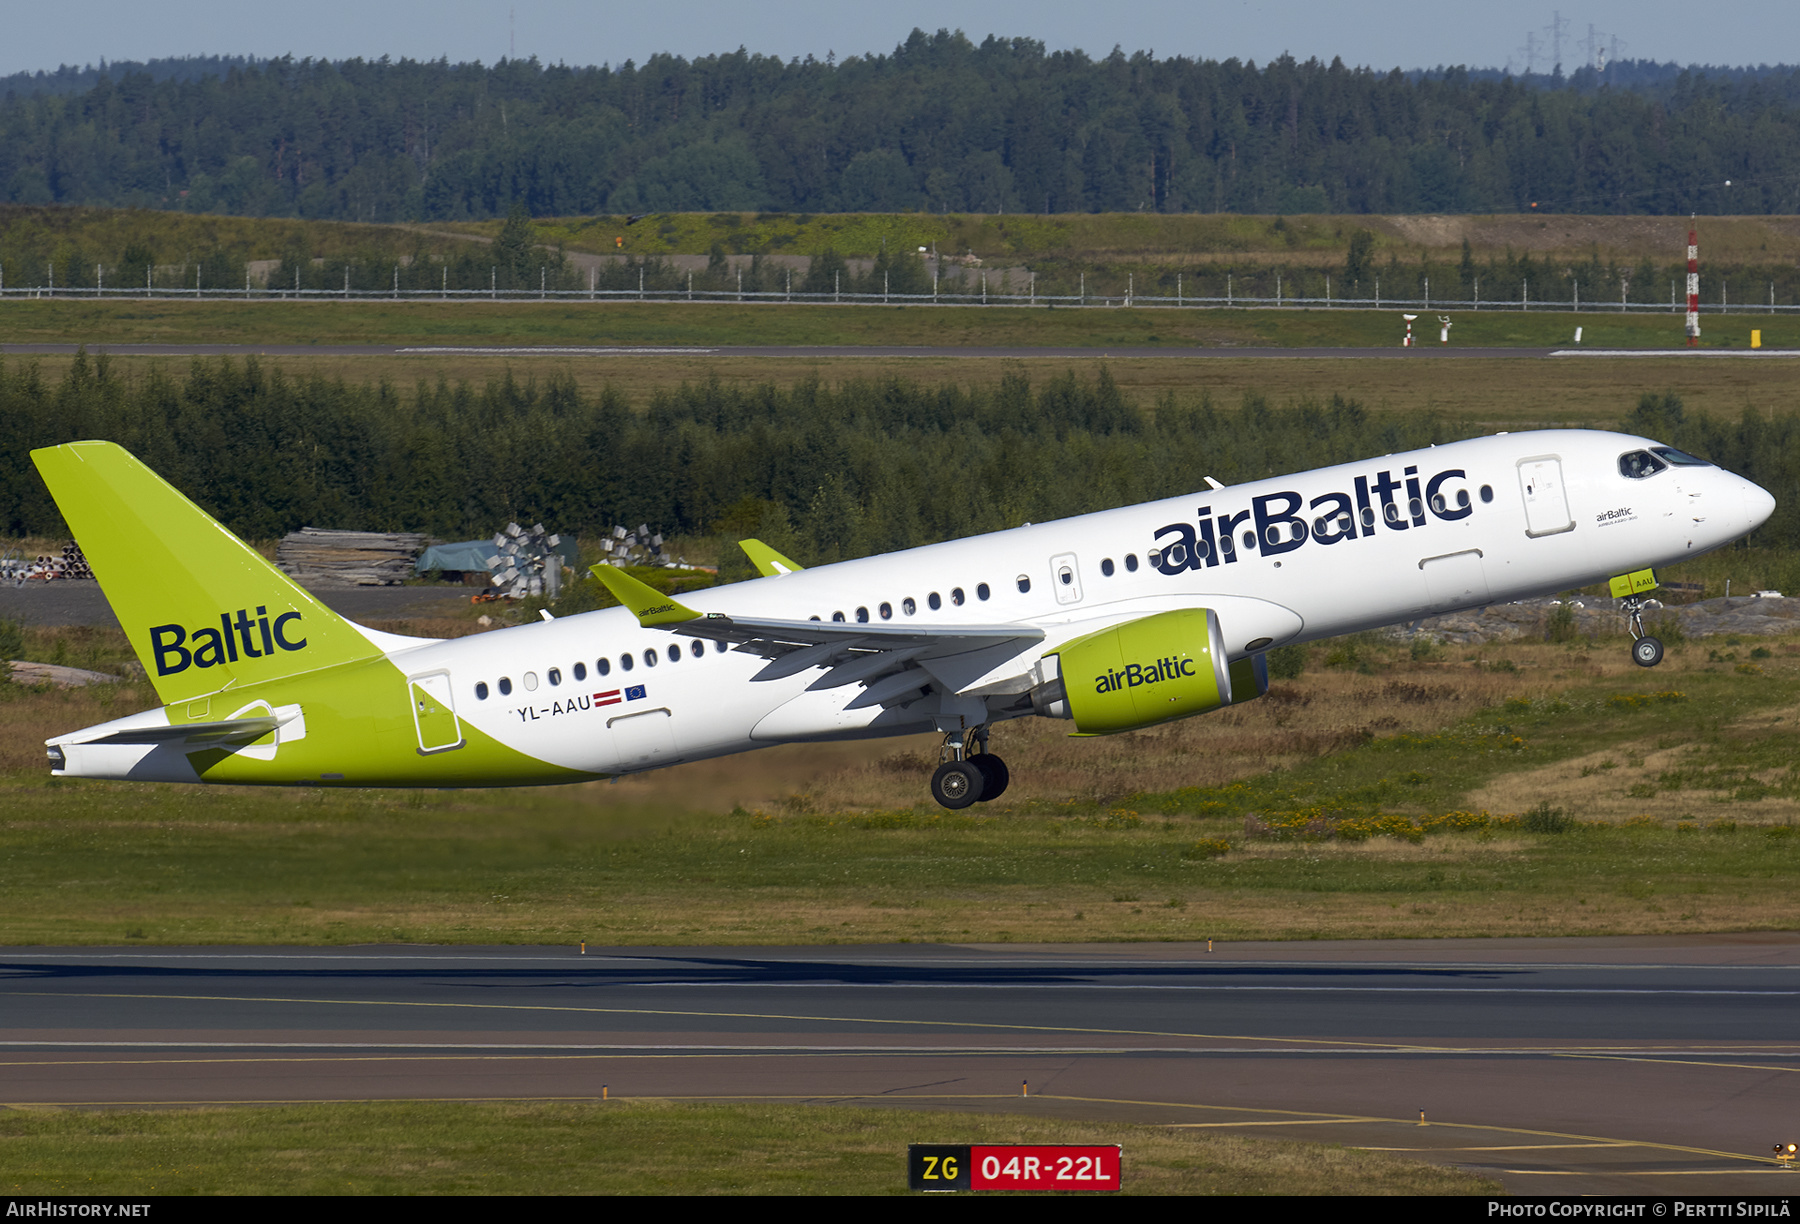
506, 686
1368, 516
581, 671
956, 596
554, 675
650, 658
908, 606
1487, 493
698, 647
1249, 539
981, 591
862, 616
1415, 507
603, 666
838, 617
1154, 556
625, 662
675, 654
1106, 567
1024, 582
935, 600
531, 682
887, 611
1131, 562
1462, 498
481, 690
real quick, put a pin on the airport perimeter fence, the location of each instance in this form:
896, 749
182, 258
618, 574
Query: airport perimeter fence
972, 298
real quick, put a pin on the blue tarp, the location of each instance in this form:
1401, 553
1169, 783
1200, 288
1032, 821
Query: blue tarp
474, 554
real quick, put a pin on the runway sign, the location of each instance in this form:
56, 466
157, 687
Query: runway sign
1012, 1166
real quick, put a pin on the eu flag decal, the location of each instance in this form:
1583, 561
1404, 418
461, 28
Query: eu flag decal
635, 693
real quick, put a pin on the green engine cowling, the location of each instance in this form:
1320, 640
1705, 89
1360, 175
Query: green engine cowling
1147, 671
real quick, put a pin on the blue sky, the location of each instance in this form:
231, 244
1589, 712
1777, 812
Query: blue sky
40, 35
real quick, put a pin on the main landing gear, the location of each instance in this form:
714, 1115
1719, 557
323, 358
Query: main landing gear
1646, 651
965, 777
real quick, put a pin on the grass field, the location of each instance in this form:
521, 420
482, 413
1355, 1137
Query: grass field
1170, 238
325, 322
1528, 789
1165, 238
628, 1147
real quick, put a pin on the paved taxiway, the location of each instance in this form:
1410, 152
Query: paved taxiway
1613, 1066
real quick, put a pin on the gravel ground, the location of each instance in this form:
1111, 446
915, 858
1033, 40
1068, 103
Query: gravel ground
81, 603
1528, 619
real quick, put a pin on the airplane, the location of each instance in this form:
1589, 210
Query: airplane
1115, 620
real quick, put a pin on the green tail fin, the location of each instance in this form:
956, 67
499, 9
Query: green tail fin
202, 609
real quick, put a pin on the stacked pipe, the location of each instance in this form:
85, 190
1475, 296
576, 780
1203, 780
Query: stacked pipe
47, 567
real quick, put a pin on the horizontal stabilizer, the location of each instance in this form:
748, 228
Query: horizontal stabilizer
199, 732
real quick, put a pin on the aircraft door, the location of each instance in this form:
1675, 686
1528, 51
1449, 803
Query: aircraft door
1455, 580
1065, 577
434, 712
1546, 502
645, 740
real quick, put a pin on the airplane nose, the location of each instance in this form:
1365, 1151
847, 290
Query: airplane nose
1759, 504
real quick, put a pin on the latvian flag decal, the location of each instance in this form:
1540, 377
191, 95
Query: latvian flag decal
634, 693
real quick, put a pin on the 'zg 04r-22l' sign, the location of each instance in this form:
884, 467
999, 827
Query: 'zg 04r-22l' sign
1012, 1166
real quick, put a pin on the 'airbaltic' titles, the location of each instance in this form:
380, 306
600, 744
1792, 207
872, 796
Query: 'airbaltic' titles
1278, 526
211, 647
1136, 674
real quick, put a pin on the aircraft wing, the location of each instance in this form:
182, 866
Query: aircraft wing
892, 662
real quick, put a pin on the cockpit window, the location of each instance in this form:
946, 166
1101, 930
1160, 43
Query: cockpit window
1639, 465
1679, 458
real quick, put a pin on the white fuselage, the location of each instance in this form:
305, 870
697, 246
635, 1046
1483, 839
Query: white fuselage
1328, 552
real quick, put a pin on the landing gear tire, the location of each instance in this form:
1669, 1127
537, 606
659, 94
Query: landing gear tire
957, 784
994, 773
1646, 652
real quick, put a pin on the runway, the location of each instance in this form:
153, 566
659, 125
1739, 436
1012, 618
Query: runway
1628, 1066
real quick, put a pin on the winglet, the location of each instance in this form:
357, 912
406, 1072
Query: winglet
648, 604
768, 562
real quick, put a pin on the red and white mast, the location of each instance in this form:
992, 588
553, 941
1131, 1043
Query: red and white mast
1693, 310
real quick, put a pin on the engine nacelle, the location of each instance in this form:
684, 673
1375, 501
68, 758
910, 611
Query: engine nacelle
1145, 672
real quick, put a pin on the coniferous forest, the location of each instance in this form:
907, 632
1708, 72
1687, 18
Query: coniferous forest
941, 124
826, 472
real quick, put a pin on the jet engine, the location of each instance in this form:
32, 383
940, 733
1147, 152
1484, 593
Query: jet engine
1145, 672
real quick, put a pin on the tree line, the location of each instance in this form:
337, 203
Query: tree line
823, 472
941, 124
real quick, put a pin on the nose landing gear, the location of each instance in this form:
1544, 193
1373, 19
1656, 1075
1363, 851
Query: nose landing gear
1646, 651
964, 777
